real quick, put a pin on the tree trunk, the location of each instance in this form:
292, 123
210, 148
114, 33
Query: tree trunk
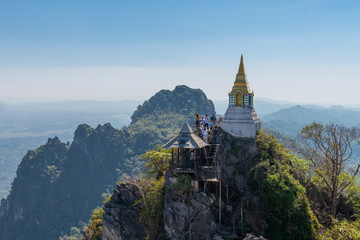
333, 203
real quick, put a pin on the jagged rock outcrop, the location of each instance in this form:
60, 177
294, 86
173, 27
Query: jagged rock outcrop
59, 184
39, 171
235, 156
120, 219
192, 218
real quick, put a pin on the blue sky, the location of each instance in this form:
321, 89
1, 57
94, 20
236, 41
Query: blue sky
306, 51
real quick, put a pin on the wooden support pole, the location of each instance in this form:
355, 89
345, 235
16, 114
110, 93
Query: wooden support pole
194, 167
172, 159
227, 194
220, 202
205, 184
241, 214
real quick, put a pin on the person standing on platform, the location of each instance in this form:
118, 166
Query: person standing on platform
197, 120
192, 159
213, 118
212, 124
204, 133
206, 121
209, 137
214, 134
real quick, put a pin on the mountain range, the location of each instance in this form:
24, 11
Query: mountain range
58, 184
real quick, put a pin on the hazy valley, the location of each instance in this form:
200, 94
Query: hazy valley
25, 126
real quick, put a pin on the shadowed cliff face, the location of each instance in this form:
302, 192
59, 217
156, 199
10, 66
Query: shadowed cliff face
120, 219
235, 157
58, 185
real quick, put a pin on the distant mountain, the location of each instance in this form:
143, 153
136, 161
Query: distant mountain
25, 126
79, 106
291, 120
263, 106
187, 102
59, 184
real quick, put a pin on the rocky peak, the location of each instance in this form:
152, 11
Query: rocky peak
190, 219
182, 100
120, 219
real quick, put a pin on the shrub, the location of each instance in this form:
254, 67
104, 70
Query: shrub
183, 186
284, 203
94, 230
151, 205
346, 230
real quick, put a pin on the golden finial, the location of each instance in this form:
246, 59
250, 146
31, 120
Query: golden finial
241, 67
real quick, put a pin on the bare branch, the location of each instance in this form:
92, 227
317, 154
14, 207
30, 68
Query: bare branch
328, 148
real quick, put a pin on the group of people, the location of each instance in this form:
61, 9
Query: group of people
207, 127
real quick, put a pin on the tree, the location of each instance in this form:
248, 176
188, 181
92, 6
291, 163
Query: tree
157, 162
152, 189
330, 148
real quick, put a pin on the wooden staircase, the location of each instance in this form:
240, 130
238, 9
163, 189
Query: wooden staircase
211, 153
209, 170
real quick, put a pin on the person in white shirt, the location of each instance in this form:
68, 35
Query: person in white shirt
206, 121
204, 133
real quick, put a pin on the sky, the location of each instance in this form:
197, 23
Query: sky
299, 51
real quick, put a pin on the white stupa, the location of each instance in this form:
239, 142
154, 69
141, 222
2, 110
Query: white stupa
240, 119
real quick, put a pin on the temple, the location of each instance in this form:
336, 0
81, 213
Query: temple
240, 119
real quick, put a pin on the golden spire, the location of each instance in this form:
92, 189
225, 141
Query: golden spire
241, 67
241, 84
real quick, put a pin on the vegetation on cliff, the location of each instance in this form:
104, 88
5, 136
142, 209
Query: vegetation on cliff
152, 191
285, 206
94, 230
291, 191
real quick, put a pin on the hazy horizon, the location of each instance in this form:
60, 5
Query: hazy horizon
140, 101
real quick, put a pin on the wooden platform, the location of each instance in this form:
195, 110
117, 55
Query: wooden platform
184, 170
209, 180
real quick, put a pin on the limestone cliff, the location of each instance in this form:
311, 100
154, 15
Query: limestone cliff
194, 218
58, 184
236, 157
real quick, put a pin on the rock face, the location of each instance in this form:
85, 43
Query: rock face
235, 157
59, 184
192, 218
120, 215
